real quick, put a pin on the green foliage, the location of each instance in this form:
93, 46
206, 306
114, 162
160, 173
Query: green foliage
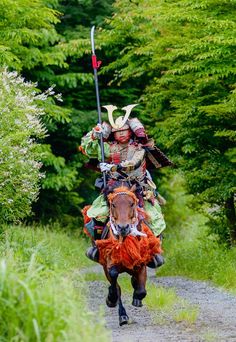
183, 52
27, 34
30, 42
49, 42
20, 153
39, 300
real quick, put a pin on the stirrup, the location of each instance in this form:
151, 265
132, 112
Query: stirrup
92, 253
156, 261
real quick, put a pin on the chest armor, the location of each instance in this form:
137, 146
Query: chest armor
119, 154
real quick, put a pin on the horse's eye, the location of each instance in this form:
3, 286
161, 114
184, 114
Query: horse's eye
132, 205
113, 205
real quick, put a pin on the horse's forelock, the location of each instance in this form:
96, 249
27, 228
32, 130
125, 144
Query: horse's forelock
124, 190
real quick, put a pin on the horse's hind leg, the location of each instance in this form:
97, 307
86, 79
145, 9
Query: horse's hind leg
138, 281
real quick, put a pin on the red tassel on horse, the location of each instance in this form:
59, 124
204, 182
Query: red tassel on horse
134, 251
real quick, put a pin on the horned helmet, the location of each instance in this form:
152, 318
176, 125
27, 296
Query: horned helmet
121, 123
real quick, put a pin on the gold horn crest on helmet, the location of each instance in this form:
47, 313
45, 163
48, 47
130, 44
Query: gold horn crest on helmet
120, 122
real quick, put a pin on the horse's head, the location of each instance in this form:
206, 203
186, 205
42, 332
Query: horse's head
123, 211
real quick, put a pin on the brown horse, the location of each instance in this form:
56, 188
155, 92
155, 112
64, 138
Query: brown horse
129, 246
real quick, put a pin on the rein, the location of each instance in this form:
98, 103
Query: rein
134, 226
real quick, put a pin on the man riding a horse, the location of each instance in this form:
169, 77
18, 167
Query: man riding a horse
127, 151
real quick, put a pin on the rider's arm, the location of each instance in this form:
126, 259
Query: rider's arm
91, 147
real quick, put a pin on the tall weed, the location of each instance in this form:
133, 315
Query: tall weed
42, 296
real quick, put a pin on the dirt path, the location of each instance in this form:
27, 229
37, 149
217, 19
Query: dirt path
216, 320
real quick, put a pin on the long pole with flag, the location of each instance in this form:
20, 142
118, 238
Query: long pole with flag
96, 64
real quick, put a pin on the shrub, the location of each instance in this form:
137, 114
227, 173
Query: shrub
20, 129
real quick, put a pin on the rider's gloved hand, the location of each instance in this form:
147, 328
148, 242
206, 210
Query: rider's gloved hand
104, 129
107, 167
97, 131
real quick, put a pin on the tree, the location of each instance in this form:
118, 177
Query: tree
28, 35
184, 53
48, 54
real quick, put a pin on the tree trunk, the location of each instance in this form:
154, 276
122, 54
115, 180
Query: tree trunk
231, 218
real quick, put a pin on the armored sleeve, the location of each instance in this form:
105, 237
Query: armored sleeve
91, 147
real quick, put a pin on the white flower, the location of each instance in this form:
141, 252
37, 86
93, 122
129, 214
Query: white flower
59, 97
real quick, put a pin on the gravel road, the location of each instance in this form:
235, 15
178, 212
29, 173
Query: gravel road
216, 320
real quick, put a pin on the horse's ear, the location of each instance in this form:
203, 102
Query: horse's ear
133, 188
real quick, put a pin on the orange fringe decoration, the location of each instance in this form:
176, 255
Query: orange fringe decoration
131, 252
86, 219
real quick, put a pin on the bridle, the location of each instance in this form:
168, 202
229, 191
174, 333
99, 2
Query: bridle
134, 226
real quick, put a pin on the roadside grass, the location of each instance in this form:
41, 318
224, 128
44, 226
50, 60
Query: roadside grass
124, 281
209, 336
42, 296
188, 248
188, 313
94, 277
167, 305
160, 298
202, 260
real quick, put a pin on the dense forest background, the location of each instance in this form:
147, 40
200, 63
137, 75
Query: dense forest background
175, 58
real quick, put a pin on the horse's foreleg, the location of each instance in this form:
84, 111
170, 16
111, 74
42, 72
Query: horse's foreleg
123, 317
114, 294
112, 275
138, 281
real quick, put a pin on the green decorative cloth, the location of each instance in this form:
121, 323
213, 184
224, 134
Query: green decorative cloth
92, 147
156, 220
100, 211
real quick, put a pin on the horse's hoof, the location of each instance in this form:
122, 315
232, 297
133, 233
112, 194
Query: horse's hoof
111, 304
137, 302
124, 319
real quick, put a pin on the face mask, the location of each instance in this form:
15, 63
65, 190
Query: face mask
123, 136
